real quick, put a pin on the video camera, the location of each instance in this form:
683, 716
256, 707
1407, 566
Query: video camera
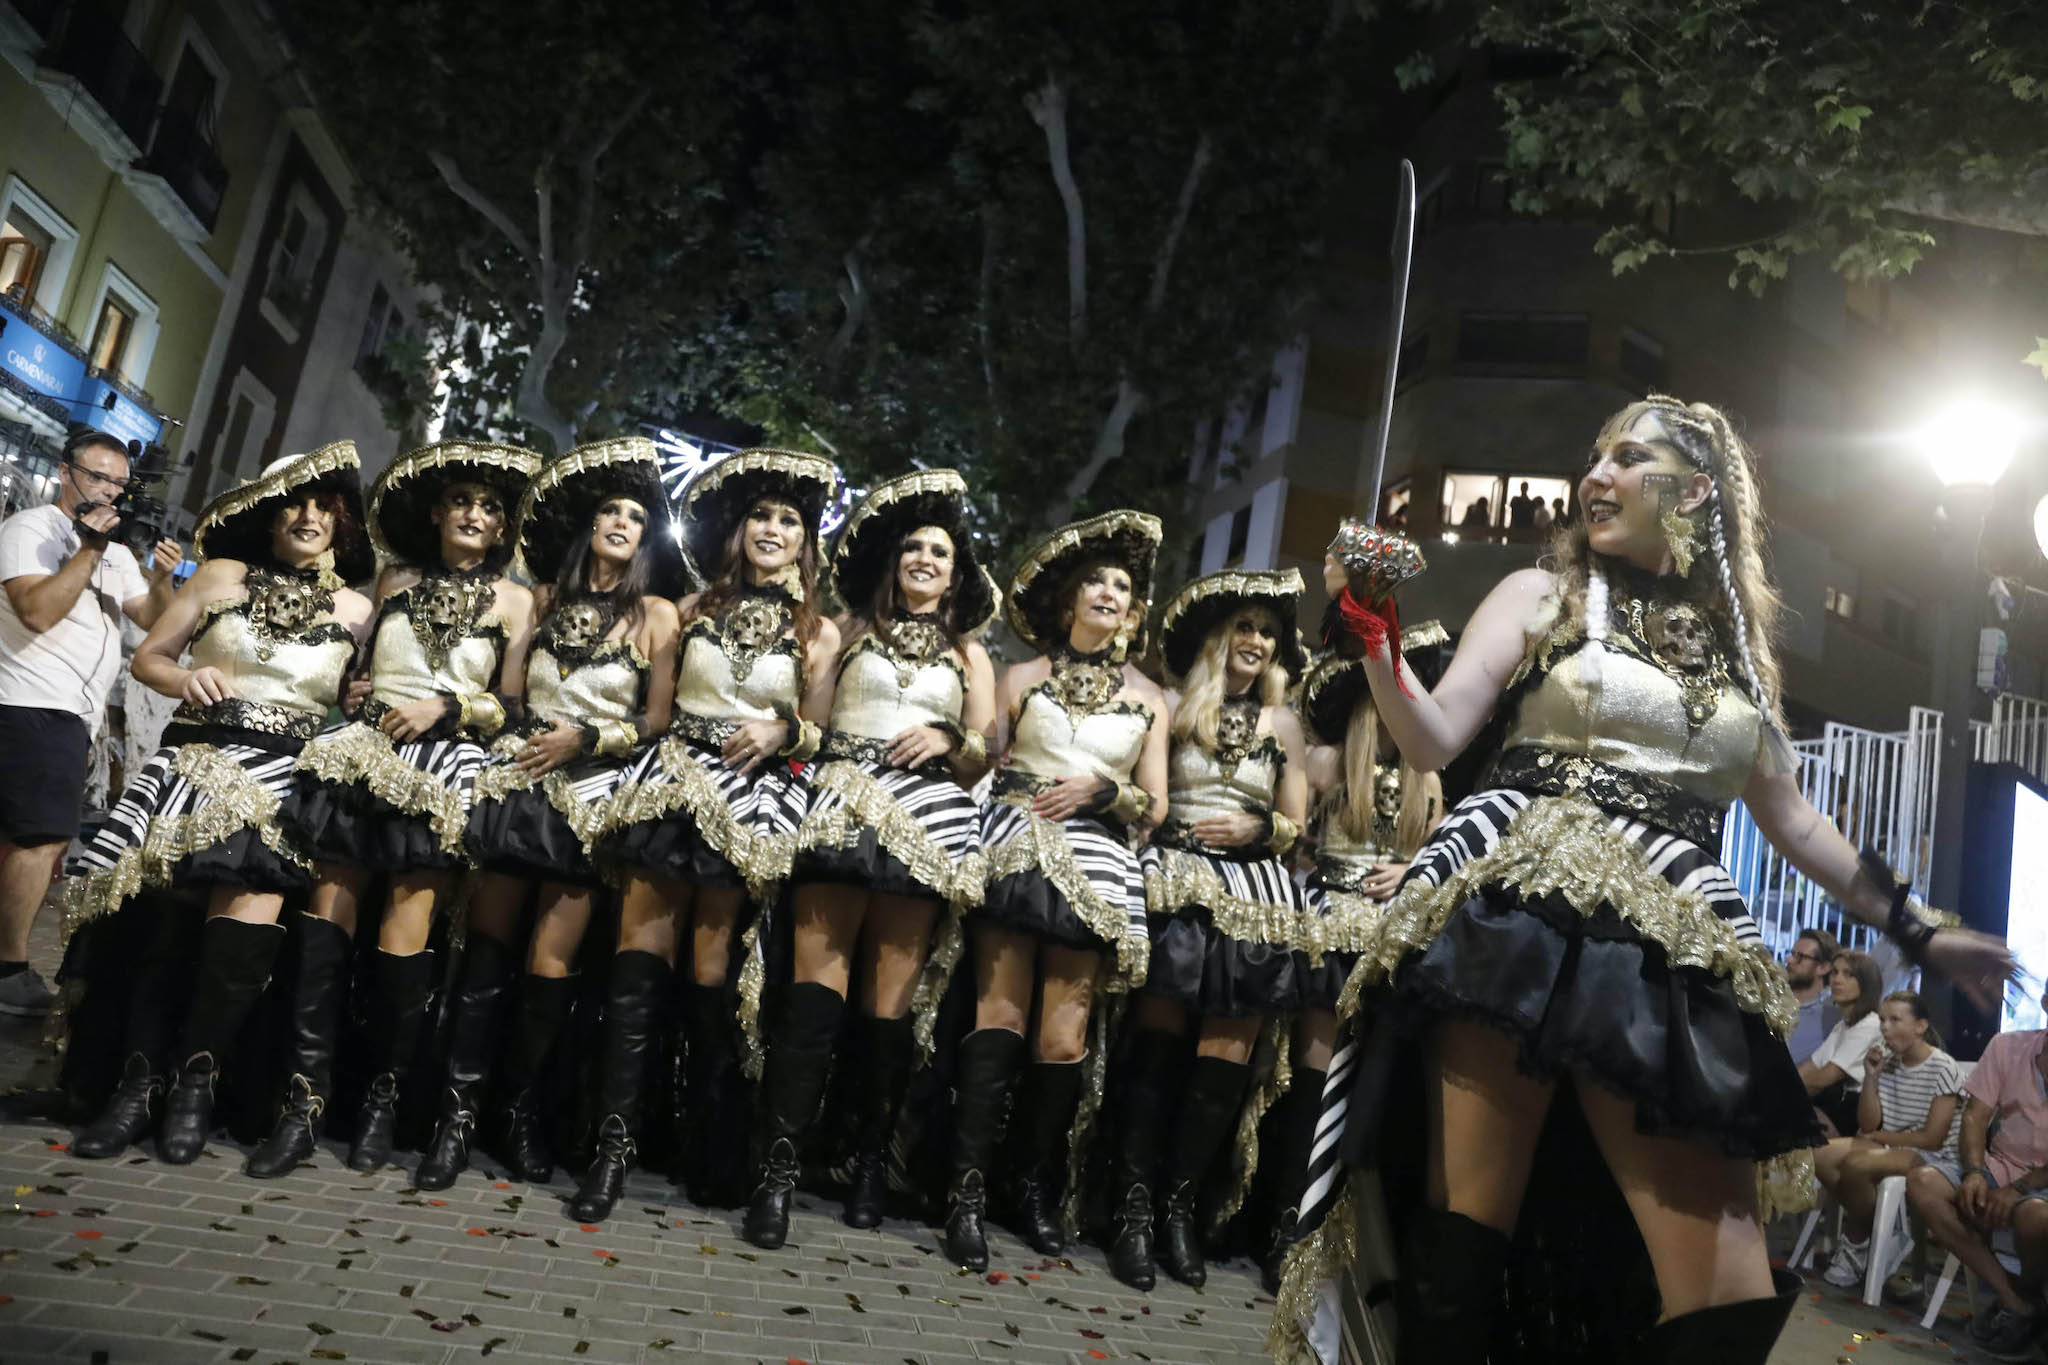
142, 511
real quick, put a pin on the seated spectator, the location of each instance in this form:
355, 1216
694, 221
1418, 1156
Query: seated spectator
2003, 1187
1834, 1073
1908, 1116
1478, 517
1807, 969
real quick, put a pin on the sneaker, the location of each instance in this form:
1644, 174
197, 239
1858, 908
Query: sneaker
26, 994
2014, 1335
1984, 1326
1851, 1260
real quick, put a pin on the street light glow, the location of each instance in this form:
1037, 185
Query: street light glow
2041, 524
1970, 442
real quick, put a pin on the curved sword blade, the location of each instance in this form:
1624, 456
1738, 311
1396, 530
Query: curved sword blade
1400, 253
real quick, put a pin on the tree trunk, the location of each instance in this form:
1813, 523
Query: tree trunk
1048, 107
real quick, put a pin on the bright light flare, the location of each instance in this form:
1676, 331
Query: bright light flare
1970, 442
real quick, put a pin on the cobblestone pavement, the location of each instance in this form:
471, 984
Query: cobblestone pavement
135, 1261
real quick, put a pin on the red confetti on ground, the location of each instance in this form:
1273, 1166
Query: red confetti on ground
592, 1227
1099, 1355
1029, 1276
605, 1254
996, 1277
478, 1232
1091, 1334
90, 1234
43, 1213
58, 1146
438, 1203
796, 1360
502, 1184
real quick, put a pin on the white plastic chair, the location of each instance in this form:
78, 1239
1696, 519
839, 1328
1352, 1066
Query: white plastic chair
2001, 1246
1807, 1248
1891, 1238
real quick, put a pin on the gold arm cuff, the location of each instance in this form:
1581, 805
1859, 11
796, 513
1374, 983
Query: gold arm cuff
614, 737
1285, 832
1132, 801
481, 712
803, 742
974, 748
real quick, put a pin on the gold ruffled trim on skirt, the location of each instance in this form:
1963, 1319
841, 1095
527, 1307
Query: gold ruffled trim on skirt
363, 754
235, 801
1351, 922
1043, 848
763, 860
1568, 846
1102, 1026
499, 780
1182, 879
1321, 1256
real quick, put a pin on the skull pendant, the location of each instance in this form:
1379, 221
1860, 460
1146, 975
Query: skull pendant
579, 628
1681, 638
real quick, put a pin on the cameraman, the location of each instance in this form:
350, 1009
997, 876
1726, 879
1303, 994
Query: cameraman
67, 583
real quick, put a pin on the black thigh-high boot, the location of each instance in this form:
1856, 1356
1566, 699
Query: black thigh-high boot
888, 1052
1450, 1288
1151, 1084
544, 1003
1294, 1136
639, 984
1726, 1334
149, 1039
984, 1071
473, 1018
234, 966
715, 1161
1039, 1137
799, 1054
1208, 1116
316, 1018
405, 985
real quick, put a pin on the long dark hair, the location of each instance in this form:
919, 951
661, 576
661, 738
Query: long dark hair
888, 599
1869, 982
626, 594
731, 574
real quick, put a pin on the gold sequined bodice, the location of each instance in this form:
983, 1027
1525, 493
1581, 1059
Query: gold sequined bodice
1201, 783
456, 649
880, 694
1052, 742
270, 653
743, 665
610, 685
1338, 850
1666, 706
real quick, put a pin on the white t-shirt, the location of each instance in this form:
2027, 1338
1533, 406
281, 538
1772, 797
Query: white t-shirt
1845, 1045
70, 666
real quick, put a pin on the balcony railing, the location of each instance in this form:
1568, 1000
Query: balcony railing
16, 300
184, 156
96, 51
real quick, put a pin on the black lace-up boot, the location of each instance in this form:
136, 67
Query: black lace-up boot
474, 1015
405, 986
985, 1070
316, 1018
799, 1054
639, 984
888, 1051
544, 1004
234, 966
1040, 1134
1208, 1116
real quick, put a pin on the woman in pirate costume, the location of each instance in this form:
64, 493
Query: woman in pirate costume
705, 818
1568, 937
388, 792
891, 836
1369, 811
1225, 914
1063, 916
596, 535
270, 629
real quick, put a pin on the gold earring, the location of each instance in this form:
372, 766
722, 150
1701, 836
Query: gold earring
790, 579
1678, 538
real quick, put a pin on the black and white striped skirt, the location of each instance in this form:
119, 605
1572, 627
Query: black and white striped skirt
682, 814
1608, 950
544, 828
199, 816
1074, 882
1224, 931
363, 801
893, 830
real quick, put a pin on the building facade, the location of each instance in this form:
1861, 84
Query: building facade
178, 259
1520, 340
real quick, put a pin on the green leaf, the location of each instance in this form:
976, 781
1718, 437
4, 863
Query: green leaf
2039, 358
1849, 116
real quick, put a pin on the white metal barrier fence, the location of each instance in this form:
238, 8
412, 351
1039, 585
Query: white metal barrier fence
1880, 789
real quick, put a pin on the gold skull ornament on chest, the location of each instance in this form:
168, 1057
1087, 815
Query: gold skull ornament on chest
285, 608
579, 628
445, 606
1681, 637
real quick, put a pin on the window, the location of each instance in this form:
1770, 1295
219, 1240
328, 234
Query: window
111, 333
36, 246
1642, 359
1842, 604
237, 434
1394, 506
1255, 424
193, 88
1429, 214
1897, 619
294, 259
1414, 360
1483, 505
1548, 341
1240, 534
375, 324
